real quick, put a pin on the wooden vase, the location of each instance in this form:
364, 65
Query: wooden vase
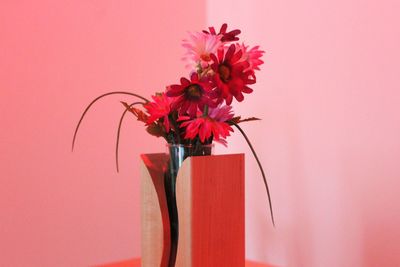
210, 201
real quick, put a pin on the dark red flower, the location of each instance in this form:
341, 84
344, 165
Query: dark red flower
231, 75
191, 95
226, 36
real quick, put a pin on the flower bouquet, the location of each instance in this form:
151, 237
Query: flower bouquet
197, 111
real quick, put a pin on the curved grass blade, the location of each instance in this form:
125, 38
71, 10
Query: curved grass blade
261, 169
94, 101
119, 131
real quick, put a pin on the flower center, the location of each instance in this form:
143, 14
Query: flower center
224, 72
205, 57
193, 92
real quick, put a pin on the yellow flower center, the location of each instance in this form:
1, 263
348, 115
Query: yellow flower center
205, 57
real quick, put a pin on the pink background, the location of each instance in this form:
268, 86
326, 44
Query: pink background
328, 95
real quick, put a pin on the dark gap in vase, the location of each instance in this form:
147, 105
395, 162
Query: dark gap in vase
177, 154
173, 217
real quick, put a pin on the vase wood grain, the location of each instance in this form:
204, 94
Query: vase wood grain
210, 201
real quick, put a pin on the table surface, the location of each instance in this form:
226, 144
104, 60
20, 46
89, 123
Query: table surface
136, 263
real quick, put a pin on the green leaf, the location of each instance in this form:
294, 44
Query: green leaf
238, 119
155, 130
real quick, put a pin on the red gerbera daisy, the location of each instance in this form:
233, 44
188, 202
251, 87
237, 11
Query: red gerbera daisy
231, 75
226, 36
191, 95
159, 109
212, 125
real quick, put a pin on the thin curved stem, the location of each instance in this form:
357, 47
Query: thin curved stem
261, 169
176, 129
119, 132
94, 101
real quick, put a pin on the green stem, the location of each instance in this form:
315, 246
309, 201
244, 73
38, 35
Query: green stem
261, 169
119, 132
176, 129
205, 112
94, 101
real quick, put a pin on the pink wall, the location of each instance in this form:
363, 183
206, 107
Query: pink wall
330, 138
71, 209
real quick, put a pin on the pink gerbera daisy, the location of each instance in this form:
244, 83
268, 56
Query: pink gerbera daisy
252, 56
159, 109
199, 47
231, 75
221, 113
191, 96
